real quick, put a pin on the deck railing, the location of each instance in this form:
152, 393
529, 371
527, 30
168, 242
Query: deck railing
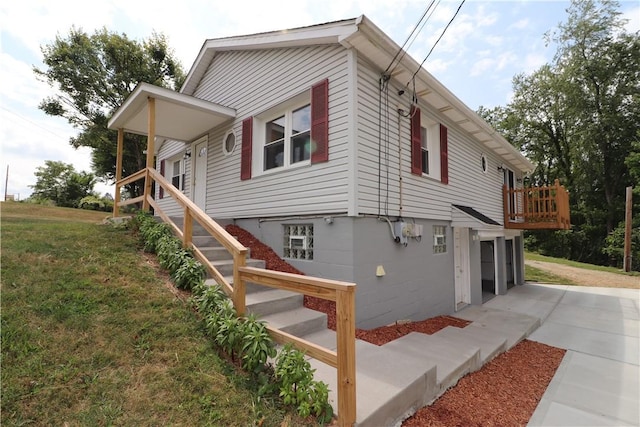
536, 207
343, 293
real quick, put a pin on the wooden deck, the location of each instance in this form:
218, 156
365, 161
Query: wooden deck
535, 208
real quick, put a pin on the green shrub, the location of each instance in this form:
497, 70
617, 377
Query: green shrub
189, 273
297, 387
257, 344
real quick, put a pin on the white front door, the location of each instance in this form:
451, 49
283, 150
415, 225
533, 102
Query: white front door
461, 265
199, 181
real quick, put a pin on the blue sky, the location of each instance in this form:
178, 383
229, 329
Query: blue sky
488, 43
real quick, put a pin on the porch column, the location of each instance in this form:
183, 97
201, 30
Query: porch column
501, 266
116, 196
151, 137
518, 262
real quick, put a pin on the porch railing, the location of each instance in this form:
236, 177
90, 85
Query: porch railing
536, 207
343, 293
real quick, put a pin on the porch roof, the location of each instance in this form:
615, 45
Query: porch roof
178, 116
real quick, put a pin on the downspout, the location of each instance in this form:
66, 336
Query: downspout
400, 161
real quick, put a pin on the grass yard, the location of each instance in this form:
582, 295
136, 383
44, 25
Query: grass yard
537, 257
533, 274
93, 335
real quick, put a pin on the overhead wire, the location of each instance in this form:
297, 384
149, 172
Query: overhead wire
402, 49
436, 43
405, 50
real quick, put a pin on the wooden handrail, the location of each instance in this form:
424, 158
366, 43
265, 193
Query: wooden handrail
343, 293
344, 358
217, 231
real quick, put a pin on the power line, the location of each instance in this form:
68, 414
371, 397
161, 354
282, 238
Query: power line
436, 43
32, 122
409, 37
405, 50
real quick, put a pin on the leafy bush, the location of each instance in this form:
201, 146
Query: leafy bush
258, 345
189, 273
297, 386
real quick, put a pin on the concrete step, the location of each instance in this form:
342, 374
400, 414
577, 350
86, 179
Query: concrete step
269, 301
205, 242
454, 359
250, 287
215, 253
389, 386
489, 343
325, 338
299, 321
513, 326
225, 267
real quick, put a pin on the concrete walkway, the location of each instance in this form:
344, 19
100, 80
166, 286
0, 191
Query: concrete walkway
597, 383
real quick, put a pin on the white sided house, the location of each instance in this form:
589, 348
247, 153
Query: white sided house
350, 165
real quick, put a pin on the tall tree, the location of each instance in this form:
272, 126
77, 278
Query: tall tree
577, 119
60, 183
93, 75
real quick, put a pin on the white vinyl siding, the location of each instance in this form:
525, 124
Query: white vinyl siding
423, 197
252, 82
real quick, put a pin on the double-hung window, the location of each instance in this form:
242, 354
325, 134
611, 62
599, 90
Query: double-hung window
287, 138
429, 147
177, 173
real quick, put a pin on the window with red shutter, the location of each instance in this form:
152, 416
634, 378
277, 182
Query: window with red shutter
320, 122
444, 154
416, 141
247, 142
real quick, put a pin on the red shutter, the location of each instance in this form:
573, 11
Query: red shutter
444, 154
161, 190
416, 141
320, 122
247, 142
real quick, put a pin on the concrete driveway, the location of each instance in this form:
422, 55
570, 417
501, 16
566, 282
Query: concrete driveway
597, 383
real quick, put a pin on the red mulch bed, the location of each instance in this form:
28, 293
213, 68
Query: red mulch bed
505, 392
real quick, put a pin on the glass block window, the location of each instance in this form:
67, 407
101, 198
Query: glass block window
439, 239
298, 241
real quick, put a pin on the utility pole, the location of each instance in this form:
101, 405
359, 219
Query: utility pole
627, 232
6, 183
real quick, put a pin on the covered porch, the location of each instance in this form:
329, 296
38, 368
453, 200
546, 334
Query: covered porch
160, 114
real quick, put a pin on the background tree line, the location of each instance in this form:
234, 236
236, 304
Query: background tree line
577, 118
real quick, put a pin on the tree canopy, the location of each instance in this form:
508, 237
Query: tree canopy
59, 183
577, 119
93, 75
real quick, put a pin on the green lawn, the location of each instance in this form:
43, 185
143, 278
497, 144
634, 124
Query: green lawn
537, 257
92, 334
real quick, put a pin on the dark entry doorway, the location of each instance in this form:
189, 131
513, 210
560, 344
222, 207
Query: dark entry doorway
488, 268
509, 262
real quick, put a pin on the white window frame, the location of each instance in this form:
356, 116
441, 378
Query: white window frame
260, 121
439, 239
169, 171
430, 132
224, 142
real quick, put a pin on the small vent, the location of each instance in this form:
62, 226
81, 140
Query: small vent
298, 242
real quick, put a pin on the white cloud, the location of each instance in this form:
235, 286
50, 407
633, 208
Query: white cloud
520, 24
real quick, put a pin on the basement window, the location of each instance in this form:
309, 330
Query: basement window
298, 241
439, 239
